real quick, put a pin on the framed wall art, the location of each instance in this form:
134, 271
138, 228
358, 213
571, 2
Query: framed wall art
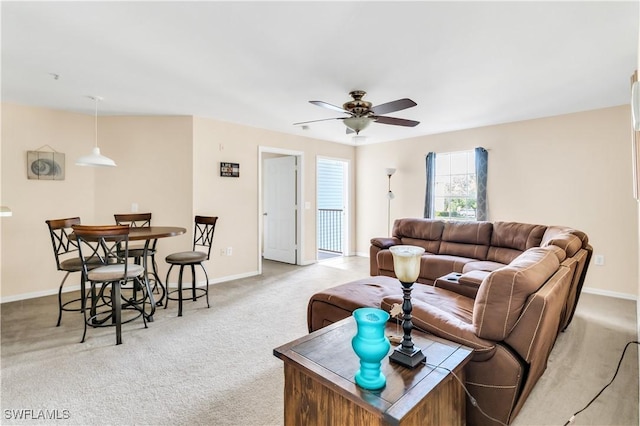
230, 169
45, 165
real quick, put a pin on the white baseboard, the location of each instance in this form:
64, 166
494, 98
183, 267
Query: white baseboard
70, 288
219, 280
36, 294
608, 293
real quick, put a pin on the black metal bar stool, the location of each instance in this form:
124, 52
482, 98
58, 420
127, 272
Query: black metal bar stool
202, 237
67, 260
109, 246
142, 220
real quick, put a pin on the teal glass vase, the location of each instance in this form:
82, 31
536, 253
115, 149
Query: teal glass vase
371, 346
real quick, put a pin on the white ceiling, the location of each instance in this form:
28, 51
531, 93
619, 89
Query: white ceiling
466, 64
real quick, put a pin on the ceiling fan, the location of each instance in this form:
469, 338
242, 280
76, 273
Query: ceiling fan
362, 113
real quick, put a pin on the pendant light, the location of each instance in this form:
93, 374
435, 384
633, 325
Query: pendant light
95, 159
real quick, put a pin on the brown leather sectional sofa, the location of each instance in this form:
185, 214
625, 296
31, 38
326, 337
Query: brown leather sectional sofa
517, 287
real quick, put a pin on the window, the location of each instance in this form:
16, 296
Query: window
455, 196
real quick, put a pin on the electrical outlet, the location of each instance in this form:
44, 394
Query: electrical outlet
134, 207
229, 251
223, 252
598, 259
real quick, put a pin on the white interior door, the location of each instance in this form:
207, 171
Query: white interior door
279, 203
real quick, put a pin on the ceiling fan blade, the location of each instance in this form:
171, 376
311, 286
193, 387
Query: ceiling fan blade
396, 121
323, 119
330, 106
393, 106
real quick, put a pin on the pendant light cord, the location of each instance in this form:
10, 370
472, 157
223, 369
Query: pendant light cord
96, 120
95, 158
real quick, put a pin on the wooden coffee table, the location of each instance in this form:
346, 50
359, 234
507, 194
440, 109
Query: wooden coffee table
319, 386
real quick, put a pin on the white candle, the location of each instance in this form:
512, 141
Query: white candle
406, 262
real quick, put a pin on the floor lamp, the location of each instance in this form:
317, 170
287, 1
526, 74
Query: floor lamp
390, 171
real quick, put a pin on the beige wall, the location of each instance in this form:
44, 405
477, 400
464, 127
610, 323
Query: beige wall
236, 200
167, 165
28, 265
155, 168
572, 170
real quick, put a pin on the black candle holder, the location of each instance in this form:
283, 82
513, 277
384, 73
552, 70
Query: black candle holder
407, 354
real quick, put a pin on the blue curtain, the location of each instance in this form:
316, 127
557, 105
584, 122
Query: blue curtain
482, 157
431, 186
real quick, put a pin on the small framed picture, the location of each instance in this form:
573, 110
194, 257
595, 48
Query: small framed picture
44, 165
230, 169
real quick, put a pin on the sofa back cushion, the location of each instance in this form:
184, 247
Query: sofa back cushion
466, 239
510, 239
425, 233
567, 239
503, 292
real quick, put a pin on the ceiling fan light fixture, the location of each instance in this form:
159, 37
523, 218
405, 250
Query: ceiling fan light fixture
362, 113
357, 123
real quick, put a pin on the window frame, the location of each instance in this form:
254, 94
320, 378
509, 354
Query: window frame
465, 193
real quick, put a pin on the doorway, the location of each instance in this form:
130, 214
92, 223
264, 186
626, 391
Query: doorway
280, 205
331, 215
280, 190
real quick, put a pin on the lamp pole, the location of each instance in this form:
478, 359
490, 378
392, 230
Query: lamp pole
390, 196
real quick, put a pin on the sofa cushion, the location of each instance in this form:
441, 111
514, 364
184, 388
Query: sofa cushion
555, 231
428, 246
466, 239
560, 253
503, 293
437, 265
336, 303
567, 242
482, 265
425, 233
385, 263
447, 315
510, 239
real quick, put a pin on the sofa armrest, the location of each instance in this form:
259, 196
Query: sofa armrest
431, 319
454, 282
385, 242
473, 278
377, 244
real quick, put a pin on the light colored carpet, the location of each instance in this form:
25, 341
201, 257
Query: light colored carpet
215, 366
583, 360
